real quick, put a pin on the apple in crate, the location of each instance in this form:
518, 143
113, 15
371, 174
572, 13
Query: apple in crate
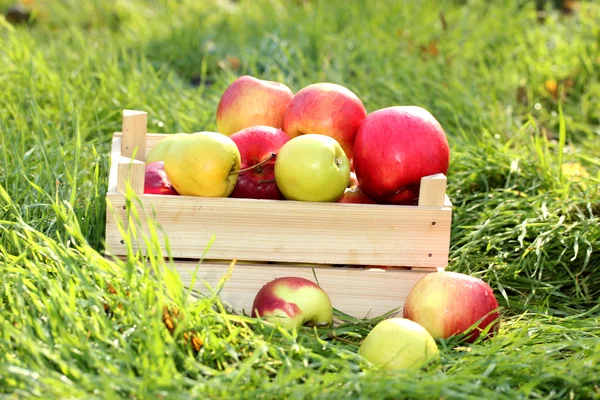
327, 109
355, 195
394, 148
203, 164
156, 180
399, 344
293, 302
250, 101
258, 146
159, 150
312, 167
450, 303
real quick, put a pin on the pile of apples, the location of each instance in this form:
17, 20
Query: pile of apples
441, 305
318, 144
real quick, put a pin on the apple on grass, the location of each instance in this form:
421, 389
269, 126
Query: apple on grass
258, 146
203, 164
394, 148
327, 109
450, 304
293, 302
156, 180
399, 344
250, 101
312, 167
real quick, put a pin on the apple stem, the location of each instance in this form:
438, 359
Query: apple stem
263, 162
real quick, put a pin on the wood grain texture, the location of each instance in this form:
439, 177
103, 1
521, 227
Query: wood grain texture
359, 292
292, 231
130, 172
432, 191
134, 126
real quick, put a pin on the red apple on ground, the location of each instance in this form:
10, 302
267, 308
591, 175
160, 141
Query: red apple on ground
449, 303
258, 144
327, 109
250, 101
355, 195
156, 180
394, 148
293, 302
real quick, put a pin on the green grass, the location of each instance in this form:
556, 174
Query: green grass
519, 222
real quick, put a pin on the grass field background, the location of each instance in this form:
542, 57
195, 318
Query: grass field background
517, 95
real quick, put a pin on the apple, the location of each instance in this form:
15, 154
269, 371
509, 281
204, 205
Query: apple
394, 148
327, 109
355, 195
353, 181
156, 180
159, 150
449, 303
249, 101
293, 302
312, 167
258, 146
399, 344
203, 164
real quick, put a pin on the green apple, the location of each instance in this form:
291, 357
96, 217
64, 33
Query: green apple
203, 164
159, 150
399, 343
312, 167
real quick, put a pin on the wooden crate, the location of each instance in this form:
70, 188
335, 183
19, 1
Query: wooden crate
366, 257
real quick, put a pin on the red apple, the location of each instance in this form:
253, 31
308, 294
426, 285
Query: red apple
258, 144
355, 195
156, 180
250, 101
293, 302
449, 303
328, 109
394, 148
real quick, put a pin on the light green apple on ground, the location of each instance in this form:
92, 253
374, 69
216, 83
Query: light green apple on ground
312, 167
160, 149
202, 164
399, 343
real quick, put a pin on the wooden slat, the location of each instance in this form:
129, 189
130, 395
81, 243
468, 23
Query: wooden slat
358, 292
292, 231
130, 172
433, 190
133, 140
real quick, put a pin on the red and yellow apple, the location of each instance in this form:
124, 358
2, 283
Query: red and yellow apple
450, 303
250, 101
399, 344
258, 146
355, 195
327, 109
394, 148
156, 180
293, 302
203, 164
312, 167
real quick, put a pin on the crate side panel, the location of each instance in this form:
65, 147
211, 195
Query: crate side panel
290, 231
361, 293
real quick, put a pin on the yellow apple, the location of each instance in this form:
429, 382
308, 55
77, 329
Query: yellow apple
203, 164
312, 167
159, 150
398, 343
